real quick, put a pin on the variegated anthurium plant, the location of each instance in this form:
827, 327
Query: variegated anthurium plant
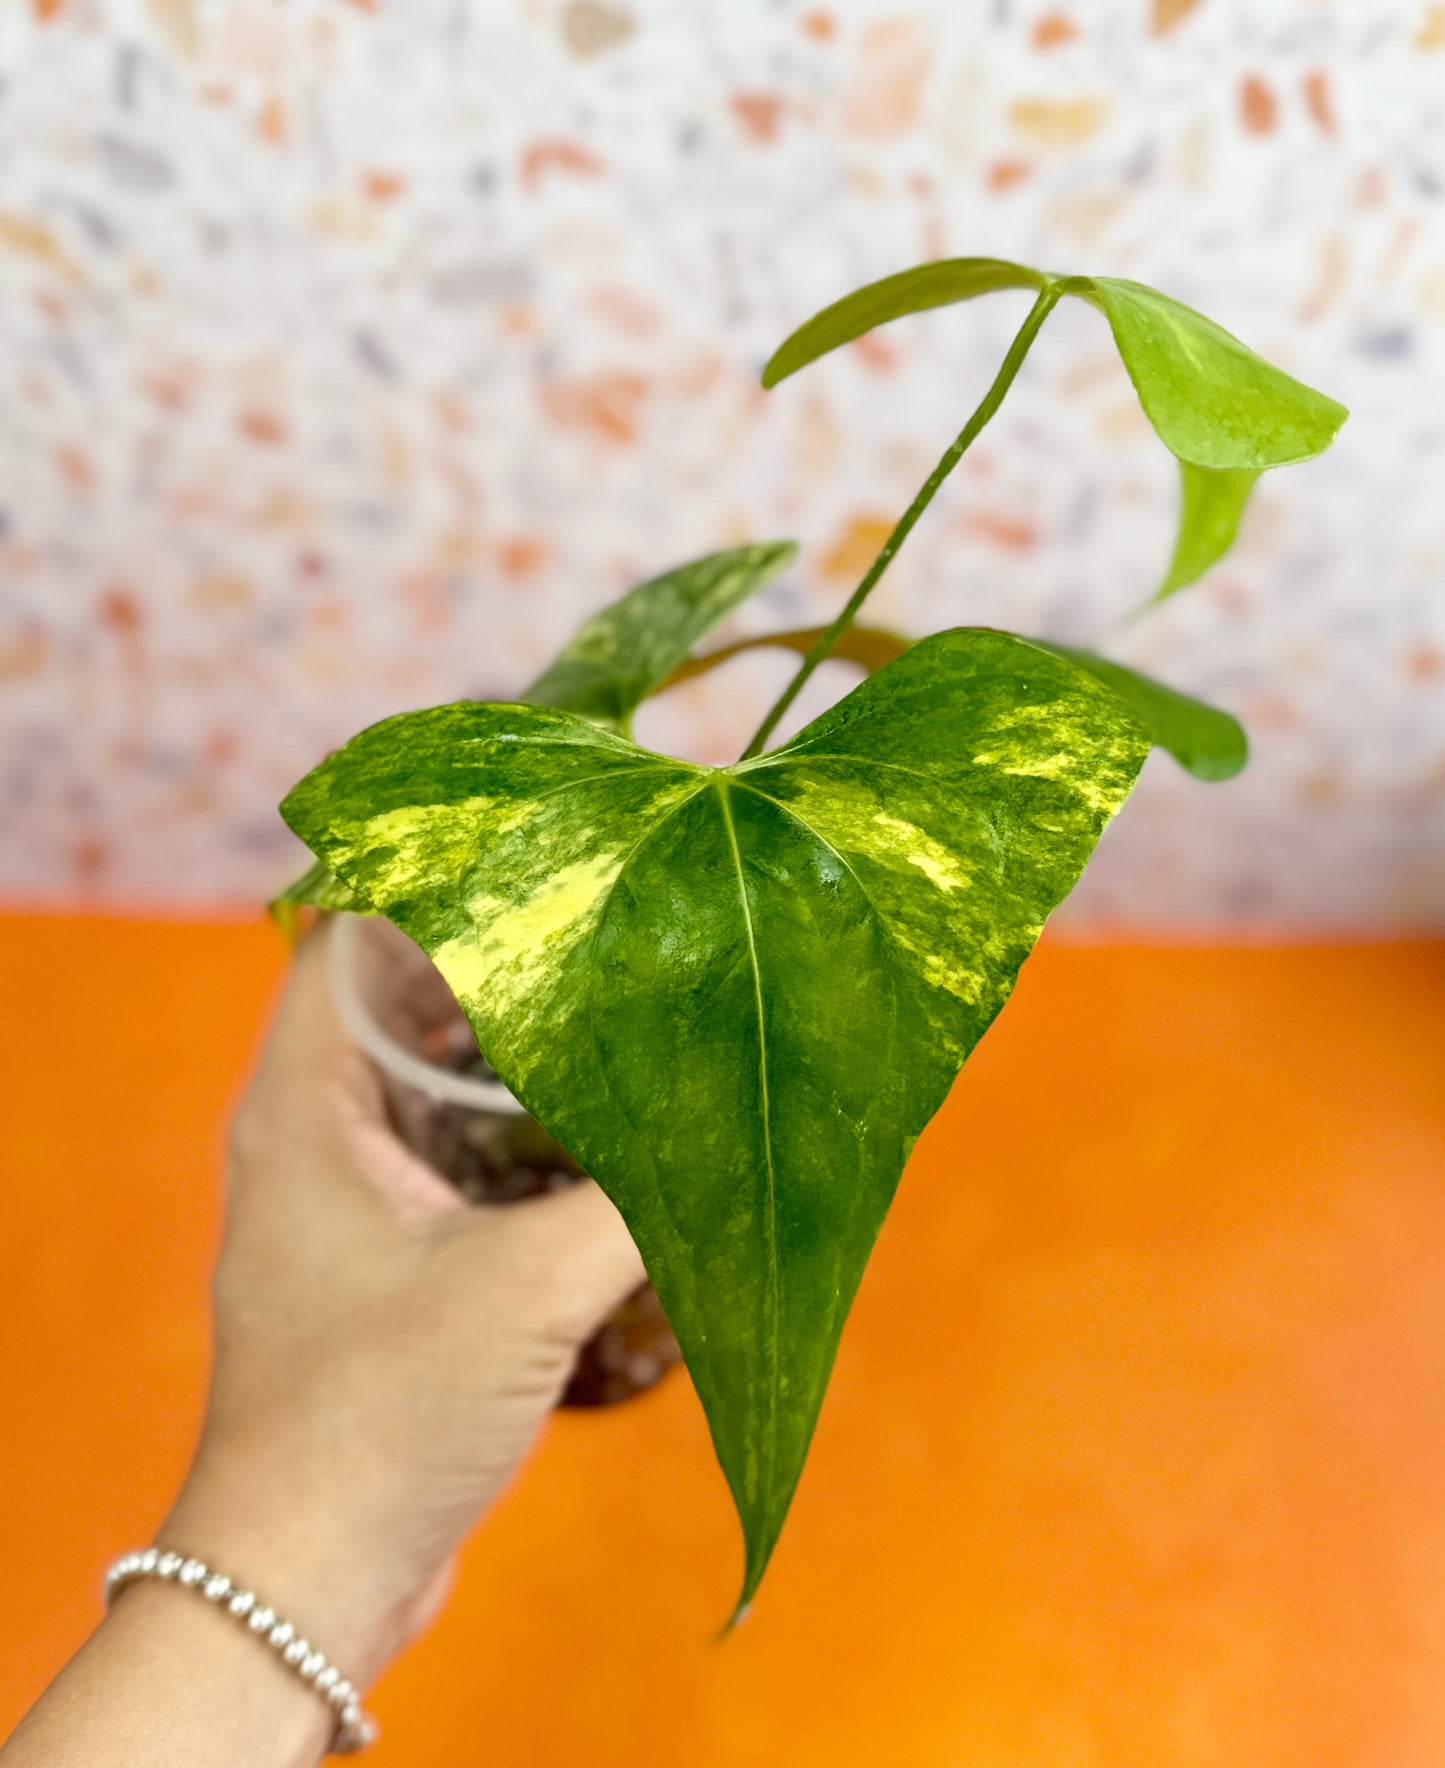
737, 994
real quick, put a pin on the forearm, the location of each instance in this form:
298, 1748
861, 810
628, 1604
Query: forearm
170, 1677
169, 1681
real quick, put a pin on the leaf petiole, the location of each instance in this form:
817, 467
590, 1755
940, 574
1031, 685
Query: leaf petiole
1048, 298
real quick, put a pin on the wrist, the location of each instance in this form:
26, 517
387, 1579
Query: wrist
162, 1680
230, 1671
290, 1646
302, 1556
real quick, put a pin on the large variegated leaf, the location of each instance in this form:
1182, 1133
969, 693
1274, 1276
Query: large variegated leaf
613, 662
737, 995
1216, 405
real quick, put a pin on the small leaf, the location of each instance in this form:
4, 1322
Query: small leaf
1207, 742
1219, 407
910, 291
738, 994
621, 654
868, 646
1211, 502
315, 888
1211, 399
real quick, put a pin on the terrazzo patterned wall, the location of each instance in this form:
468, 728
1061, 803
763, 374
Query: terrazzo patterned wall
351, 352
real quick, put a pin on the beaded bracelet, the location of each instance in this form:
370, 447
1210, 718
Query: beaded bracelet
354, 1729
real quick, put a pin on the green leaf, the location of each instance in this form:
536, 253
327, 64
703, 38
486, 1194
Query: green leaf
1212, 401
1211, 502
1224, 412
621, 655
737, 995
1210, 398
910, 291
1207, 742
315, 888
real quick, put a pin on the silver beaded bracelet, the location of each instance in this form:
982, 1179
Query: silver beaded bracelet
354, 1729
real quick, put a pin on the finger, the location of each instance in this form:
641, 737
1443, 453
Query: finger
336, 1085
571, 1254
308, 1059
314, 1089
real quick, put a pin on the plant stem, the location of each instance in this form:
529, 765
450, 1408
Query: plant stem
987, 406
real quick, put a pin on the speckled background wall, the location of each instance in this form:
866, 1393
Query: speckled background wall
350, 352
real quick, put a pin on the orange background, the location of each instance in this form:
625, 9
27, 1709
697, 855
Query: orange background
1135, 1453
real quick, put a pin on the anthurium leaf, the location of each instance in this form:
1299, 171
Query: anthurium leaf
620, 655
869, 646
315, 888
1207, 742
910, 291
1209, 397
1211, 502
737, 995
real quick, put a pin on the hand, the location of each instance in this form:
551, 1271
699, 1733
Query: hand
384, 1356
384, 1353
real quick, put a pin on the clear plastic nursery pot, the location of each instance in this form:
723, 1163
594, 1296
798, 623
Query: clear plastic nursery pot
449, 1107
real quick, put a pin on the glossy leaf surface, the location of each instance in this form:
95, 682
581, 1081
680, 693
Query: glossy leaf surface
621, 654
1211, 503
1209, 397
737, 995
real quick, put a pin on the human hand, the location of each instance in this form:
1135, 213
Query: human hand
384, 1353
384, 1356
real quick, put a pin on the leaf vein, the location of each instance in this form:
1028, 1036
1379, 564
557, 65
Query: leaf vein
599, 1064
774, 1278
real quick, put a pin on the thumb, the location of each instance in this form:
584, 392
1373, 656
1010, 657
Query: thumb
569, 1256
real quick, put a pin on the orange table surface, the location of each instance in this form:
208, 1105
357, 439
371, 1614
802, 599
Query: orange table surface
1135, 1453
